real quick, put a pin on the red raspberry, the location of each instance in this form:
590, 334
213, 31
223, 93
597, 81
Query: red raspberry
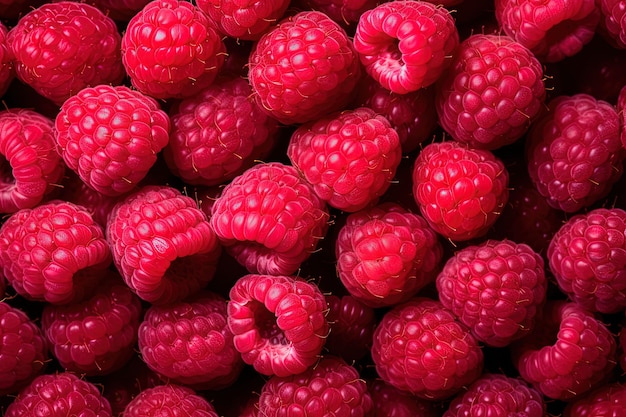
278, 323
606, 401
59, 395
574, 152
551, 29
344, 12
303, 68
98, 335
162, 244
588, 259
352, 326
170, 49
612, 24
30, 165
570, 353
331, 388
460, 191
189, 342
492, 93
349, 158
54, 252
420, 347
497, 395
406, 45
23, 349
218, 133
497, 289
392, 402
386, 254
6, 61
169, 400
270, 219
62, 47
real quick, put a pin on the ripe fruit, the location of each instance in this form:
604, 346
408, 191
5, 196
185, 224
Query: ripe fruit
607, 401
170, 399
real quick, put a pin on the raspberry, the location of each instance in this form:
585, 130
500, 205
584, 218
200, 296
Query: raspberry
392, 402
497, 395
269, 219
606, 401
30, 165
331, 388
574, 152
6, 61
23, 349
189, 342
110, 136
421, 348
59, 395
303, 68
352, 326
406, 45
460, 191
569, 354
612, 25
162, 244
278, 323
218, 133
492, 93
551, 29
170, 49
349, 158
62, 47
588, 259
386, 254
169, 400
54, 252
98, 335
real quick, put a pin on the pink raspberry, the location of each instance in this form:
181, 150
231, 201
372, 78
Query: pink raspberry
497, 395
54, 252
349, 158
551, 29
331, 388
6, 61
386, 254
169, 400
569, 354
62, 47
392, 402
460, 191
344, 12
352, 326
59, 395
492, 93
98, 335
30, 165
612, 25
189, 342
420, 347
23, 349
269, 219
574, 152
608, 400
218, 133
278, 322
406, 45
171, 49
162, 244
303, 68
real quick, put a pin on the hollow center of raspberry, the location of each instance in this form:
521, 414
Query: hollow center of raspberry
391, 57
266, 324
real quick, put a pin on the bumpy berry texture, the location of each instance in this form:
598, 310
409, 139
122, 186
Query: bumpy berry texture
606, 401
54, 252
269, 219
349, 158
303, 68
171, 49
59, 395
162, 244
406, 45
569, 354
6, 61
390, 401
23, 349
574, 151
492, 93
551, 29
352, 326
497, 395
420, 347
344, 12
612, 25
278, 322
331, 388
386, 254
460, 191
170, 400
189, 342
62, 47
218, 133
